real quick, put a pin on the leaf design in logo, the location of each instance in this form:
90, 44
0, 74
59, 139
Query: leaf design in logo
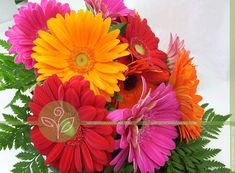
48, 122
66, 125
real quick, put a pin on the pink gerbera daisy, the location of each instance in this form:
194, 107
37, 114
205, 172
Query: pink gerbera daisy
174, 47
110, 8
147, 146
28, 21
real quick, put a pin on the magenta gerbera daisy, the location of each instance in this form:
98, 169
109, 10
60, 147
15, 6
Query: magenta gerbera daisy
28, 22
110, 8
147, 146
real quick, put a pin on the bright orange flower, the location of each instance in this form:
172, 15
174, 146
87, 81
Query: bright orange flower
81, 44
131, 88
184, 81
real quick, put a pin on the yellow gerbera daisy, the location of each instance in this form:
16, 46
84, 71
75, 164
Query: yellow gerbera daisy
81, 44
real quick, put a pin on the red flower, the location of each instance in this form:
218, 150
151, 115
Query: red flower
143, 43
146, 60
89, 149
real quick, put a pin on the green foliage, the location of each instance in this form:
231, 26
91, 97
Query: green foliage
15, 130
195, 157
30, 161
126, 168
18, 1
213, 124
110, 107
117, 97
15, 133
120, 26
13, 76
4, 44
89, 8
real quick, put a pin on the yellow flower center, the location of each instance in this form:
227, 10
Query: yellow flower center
140, 49
82, 60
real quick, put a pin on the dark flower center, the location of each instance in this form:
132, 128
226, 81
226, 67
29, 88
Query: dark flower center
140, 124
130, 83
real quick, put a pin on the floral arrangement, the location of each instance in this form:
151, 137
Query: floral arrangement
116, 102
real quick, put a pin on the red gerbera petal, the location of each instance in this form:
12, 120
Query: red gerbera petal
67, 158
99, 155
78, 159
87, 98
87, 113
88, 163
51, 87
71, 97
100, 102
41, 97
35, 108
95, 140
54, 153
103, 130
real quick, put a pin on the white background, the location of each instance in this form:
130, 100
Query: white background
203, 24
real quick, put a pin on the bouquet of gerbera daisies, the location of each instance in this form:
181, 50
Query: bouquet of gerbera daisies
98, 95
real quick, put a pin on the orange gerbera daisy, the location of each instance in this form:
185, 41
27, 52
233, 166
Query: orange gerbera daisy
131, 88
81, 44
184, 81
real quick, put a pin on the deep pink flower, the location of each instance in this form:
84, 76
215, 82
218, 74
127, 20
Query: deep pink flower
28, 21
110, 8
147, 146
175, 46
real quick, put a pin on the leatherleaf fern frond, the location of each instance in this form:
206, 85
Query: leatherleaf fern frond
30, 161
212, 123
13, 76
14, 130
195, 157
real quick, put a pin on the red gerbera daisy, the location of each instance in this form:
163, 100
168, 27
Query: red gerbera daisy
146, 60
89, 149
143, 43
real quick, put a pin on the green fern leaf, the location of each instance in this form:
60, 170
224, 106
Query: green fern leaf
15, 76
212, 124
4, 44
12, 120
195, 156
30, 161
